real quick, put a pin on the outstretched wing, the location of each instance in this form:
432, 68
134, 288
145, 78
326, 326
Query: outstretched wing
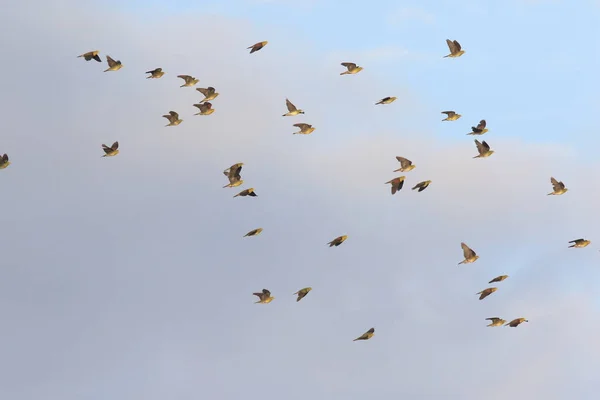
290, 106
467, 251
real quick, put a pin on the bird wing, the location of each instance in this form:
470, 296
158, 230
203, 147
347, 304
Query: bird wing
485, 145
186, 78
576, 241
290, 106
208, 105
481, 125
266, 293
457, 46
451, 46
493, 319
110, 61
5, 157
349, 65
115, 145
169, 117
204, 91
302, 126
404, 162
449, 113
467, 251
174, 115
260, 295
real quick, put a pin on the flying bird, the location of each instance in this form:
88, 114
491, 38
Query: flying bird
579, 243
337, 241
469, 254
247, 192
495, 321
257, 46
366, 336
155, 73
486, 292
264, 297
483, 148
205, 108
516, 322
479, 129
112, 150
233, 174
254, 232
113, 65
422, 185
91, 55
557, 187
209, 93
405, 164
292, 110
498, 278
189, 80
451, 116
305, 129
302, 293
173, 118
352, 68
386, 100
4, 161
397, 183
455, 49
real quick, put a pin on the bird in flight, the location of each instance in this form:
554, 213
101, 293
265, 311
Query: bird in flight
495, 321
209, 93
486, 292
516, 322
397, 184
91, 55
292, 110
112, 150
455, 49
189, 81
257, 46
338, 240
173, 118
483, 148
155, 73
451, 116
386, 100
498, 278
579, 243
479, 129
264, 297
254, 232
233, 174
421, 185
305, 129
302, 293
205, 108
4, 162
247, 192
113, 65
405, 164
352, 68
469, 254
366, 336
558, 188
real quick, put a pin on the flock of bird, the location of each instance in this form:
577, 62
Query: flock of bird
233, 173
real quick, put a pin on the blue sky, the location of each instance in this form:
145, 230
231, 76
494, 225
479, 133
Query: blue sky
128, 277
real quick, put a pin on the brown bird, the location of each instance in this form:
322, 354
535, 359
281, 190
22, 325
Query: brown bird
455, 49
366, 336
451, 116
337, 241
4, 162
233, 174
264, 297
483, 148
254, 232
91, 55
155, 73
257, 46
305, 129
292, 109
246, 192
302, 293
486, 292
386, 100
469, 254
495, 321
498, 278
422, 185
113, 65
516, 322
189, 80
557, 187
173, 118
209, 93
205, 108
397, 183
479, 129
579, 243
405, 164
112, 150
352, 68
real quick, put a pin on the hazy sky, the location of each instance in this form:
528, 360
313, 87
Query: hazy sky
127, 278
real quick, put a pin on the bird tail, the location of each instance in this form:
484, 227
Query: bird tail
344, 73
446, 56
550, 194
572, 246
462, 262
108, 69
